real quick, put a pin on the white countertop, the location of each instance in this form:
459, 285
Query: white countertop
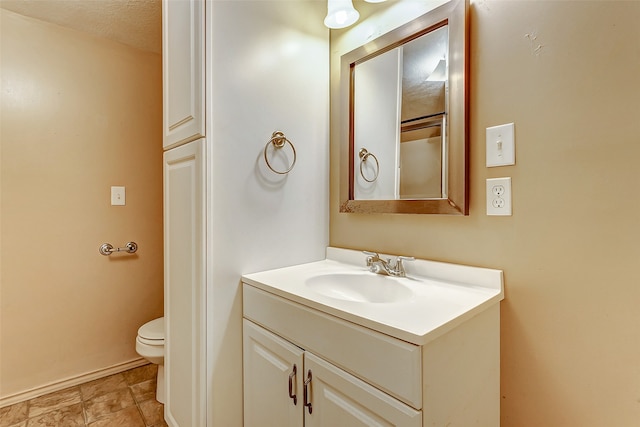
443, 295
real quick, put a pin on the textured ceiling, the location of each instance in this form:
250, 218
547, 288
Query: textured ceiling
137, 23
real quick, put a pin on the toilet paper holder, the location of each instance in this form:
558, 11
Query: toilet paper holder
107, 248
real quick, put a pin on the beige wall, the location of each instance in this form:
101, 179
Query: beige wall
79, 114
571, 250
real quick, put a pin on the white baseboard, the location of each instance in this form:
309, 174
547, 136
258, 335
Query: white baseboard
70, 382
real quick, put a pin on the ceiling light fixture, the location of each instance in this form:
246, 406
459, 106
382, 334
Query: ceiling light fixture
340, 14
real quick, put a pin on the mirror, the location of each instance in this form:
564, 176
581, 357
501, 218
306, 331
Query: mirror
405, 118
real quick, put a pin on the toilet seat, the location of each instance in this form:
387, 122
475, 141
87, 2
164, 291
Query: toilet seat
151, 342
152, 333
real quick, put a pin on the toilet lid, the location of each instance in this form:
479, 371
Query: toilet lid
153, 330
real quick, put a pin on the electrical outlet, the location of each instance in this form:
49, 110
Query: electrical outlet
499, 196
497, 190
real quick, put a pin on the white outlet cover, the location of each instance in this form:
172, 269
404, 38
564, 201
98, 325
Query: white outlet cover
500, 142
499, 196
117, 196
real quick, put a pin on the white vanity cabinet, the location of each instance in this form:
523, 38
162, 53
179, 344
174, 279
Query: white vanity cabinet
183, 67
286, 386
335, 396
431, 359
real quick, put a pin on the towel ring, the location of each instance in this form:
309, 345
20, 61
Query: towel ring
364, 155
278, 140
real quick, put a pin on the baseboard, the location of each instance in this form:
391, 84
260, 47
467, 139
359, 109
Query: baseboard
70, 382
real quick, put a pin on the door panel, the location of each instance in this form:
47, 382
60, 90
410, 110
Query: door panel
268, 367
339, 399
184, 285
183, 70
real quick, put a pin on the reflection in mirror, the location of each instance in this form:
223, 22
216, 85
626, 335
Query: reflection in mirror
421, 167
399, 108
405, 104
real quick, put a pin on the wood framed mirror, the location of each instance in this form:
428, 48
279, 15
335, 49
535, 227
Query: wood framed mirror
404, 118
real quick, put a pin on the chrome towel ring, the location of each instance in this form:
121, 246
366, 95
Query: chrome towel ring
364, 155
278, 140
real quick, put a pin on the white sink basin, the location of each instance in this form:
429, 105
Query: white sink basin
360, 287
434, 298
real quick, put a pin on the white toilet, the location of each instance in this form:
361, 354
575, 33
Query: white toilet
150, 345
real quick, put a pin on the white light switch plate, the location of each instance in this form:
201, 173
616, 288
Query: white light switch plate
117, 196
499, 196
501, 145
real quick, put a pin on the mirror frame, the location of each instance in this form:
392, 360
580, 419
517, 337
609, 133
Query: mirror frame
454, 13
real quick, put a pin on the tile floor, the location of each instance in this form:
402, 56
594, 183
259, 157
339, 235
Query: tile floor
121, 400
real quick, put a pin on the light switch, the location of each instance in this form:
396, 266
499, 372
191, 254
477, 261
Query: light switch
501, 145
117, 196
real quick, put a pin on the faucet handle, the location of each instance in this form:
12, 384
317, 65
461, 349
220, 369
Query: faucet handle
400, 265
371, 257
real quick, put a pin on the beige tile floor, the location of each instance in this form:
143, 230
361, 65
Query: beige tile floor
121, 400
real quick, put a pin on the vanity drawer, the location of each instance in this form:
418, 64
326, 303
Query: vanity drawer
392, 365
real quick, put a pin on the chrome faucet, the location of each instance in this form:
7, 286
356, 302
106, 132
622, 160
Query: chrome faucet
381, 266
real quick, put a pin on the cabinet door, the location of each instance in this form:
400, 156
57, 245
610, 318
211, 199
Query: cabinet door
183, 33
338, 399
184, 292
270, 380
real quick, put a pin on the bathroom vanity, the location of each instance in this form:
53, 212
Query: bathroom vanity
331, 343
